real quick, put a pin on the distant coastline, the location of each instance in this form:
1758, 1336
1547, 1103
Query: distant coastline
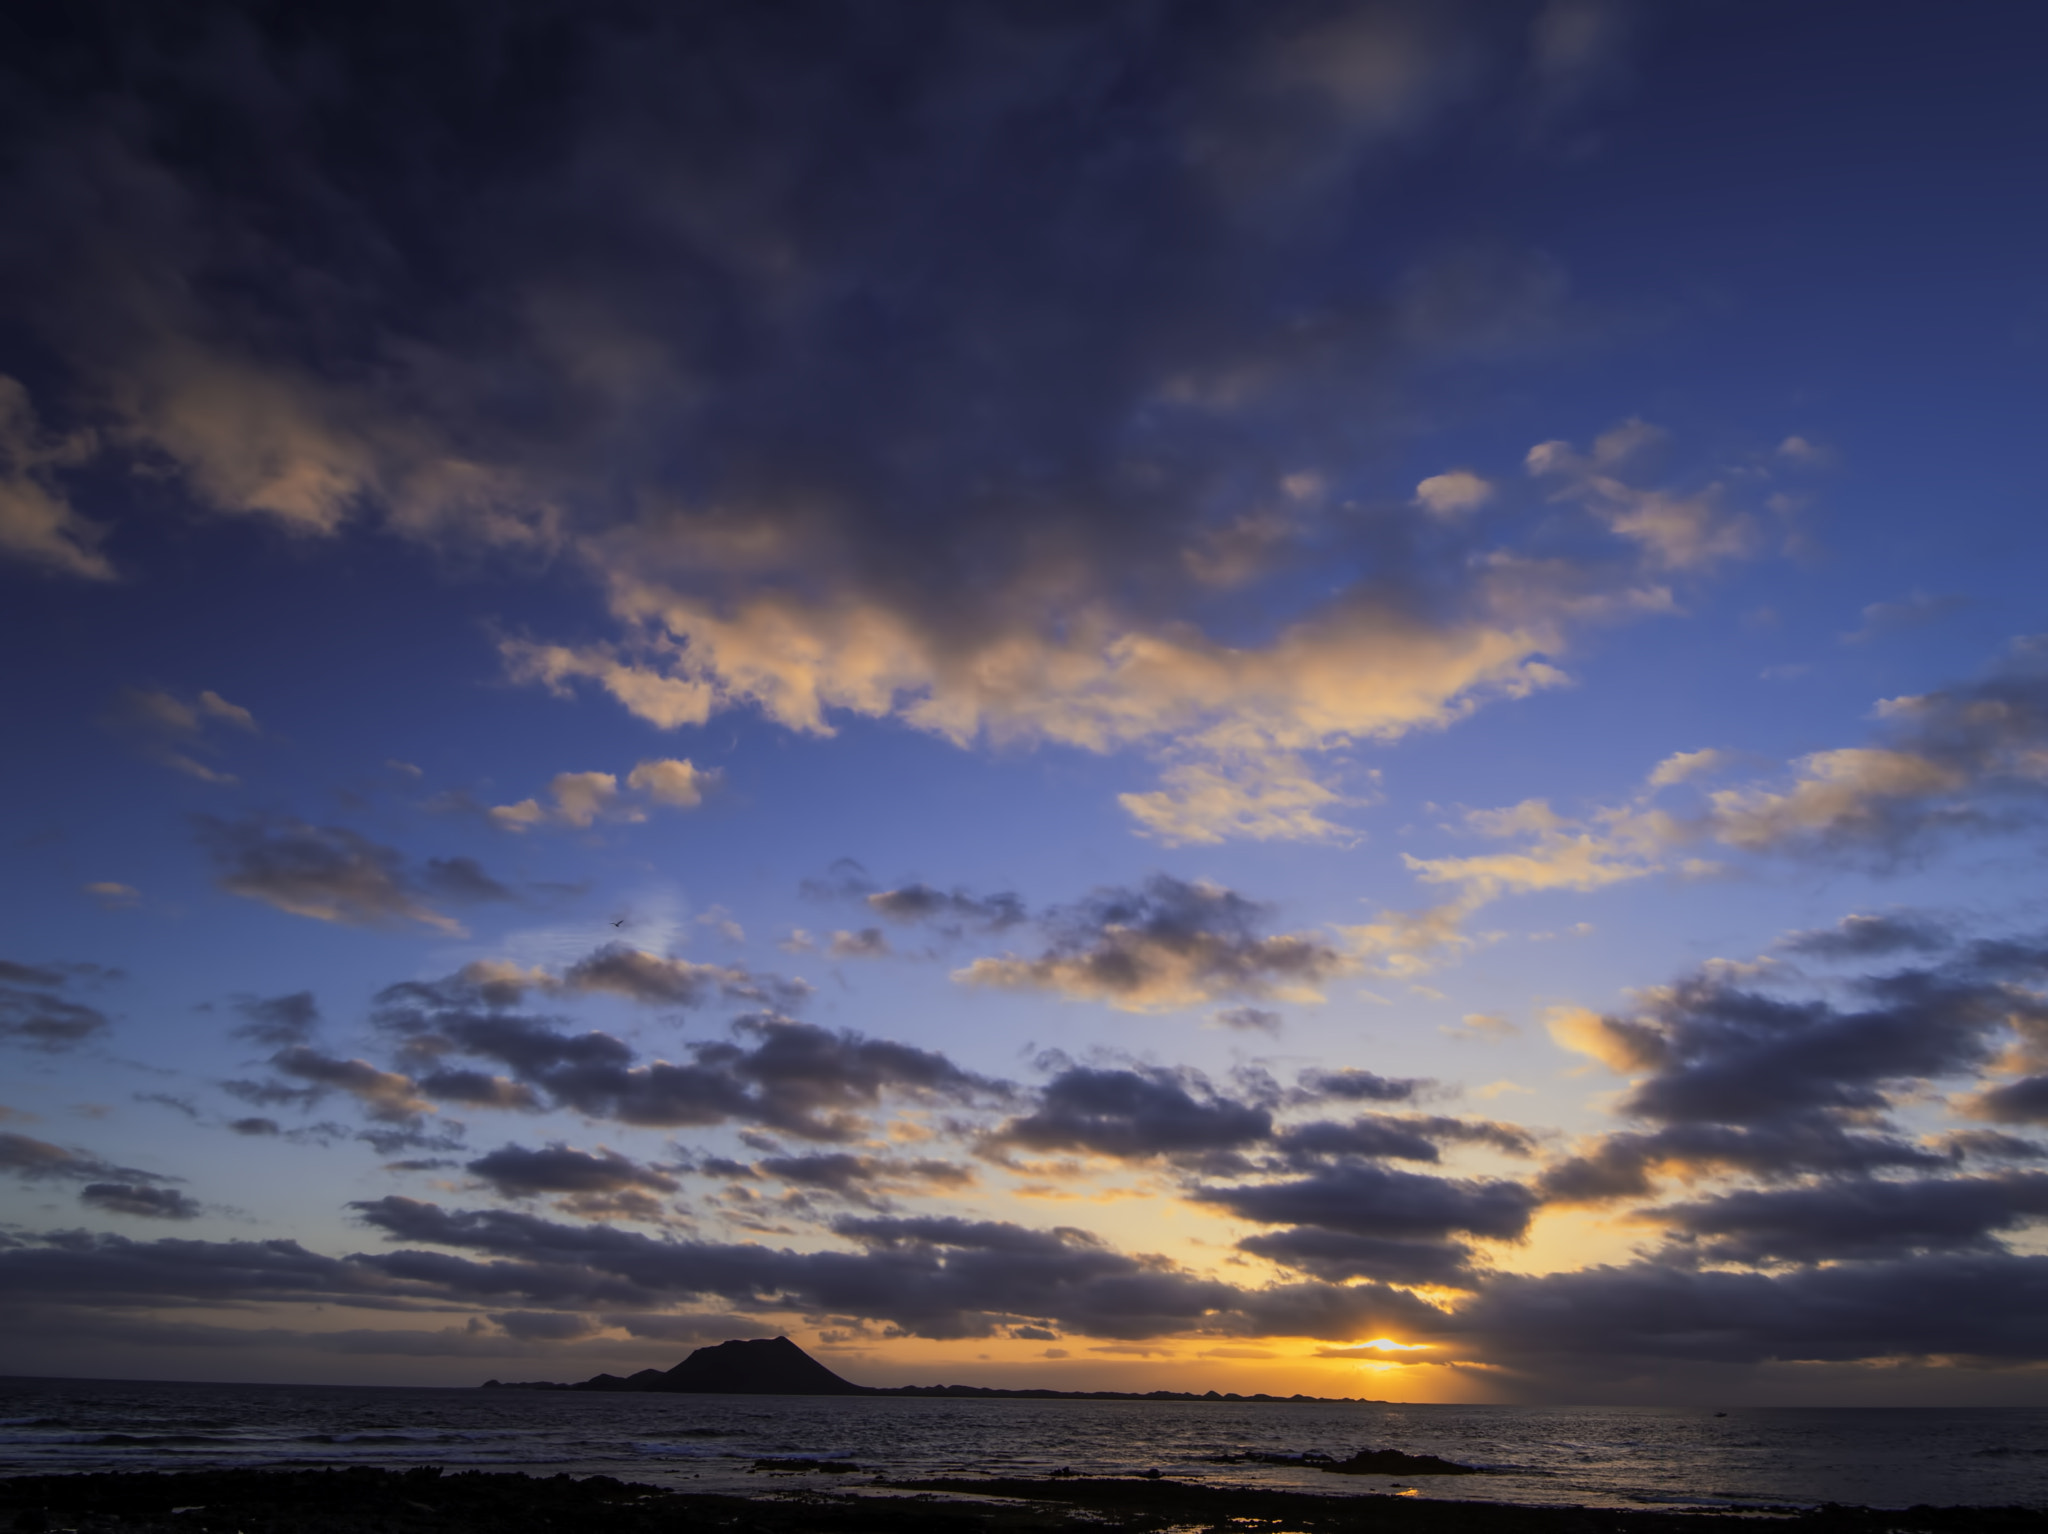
777, 1366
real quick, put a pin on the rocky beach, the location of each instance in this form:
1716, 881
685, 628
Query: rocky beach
427, 1501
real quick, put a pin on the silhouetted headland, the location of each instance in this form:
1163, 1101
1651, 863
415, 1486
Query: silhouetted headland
776, 1366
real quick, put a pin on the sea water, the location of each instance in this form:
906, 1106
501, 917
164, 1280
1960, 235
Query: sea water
1601, 1456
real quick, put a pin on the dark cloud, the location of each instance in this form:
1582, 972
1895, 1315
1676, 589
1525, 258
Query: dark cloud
1046, 332
1628, 1164
544, 1325
655, 981
1350, 1218
118, 1189
179, 732
1360, 1086
868, 943
2024, 1101
521, 1172
1733, 1075
928, 1276
477, 1089
1608, 1320
1379, 1202
30, 974
1959, 759
387, 1096
329, 873
1871, 937
954, 911
1250, 1019
462, 880
810, 1082
32, 1016
1169, 944
922, 903
278, 1020
139, 1199
1910, 612
835, 1172
1373, 1137
81, 1266
31, 1158
861, 1177
1857, 1219
1134, 1113
1337, 1256
1992, 1145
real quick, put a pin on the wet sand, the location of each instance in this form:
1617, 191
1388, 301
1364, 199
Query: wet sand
426, 1501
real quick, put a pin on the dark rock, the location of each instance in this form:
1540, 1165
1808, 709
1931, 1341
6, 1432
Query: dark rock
1394, 1462
808, 1466
755, 1366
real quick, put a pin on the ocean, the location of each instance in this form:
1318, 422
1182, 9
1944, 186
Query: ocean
1599, 1456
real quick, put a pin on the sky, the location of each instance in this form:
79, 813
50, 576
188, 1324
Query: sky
1325, 696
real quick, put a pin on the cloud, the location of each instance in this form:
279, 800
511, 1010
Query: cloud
460, 879
951, 911
1360, 1086
860, 1178
929, 1276
1134, 1114
1406, 1137
1856, 1219
655, 981
868, 943
517, 1171
1406, 944
33, 1016
581, 799
922, 903
1267, 796
279, 1020
330, 873
2024, 1101
1249, 1019
1606, 1321
37, 522
178, 733
1683, 766
1336, 1256
680, 784
1170, 945
1869, 937
782, 1075
1918, 610
1857, 795
1675, 531
389, 1097
116, 1189
1733, 1074
1453, 494
33, 1159
1365, 1200
1971, 758
1001, 527
151, 1203
112, 895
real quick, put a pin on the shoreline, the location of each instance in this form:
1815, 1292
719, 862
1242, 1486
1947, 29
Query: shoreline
426, 1500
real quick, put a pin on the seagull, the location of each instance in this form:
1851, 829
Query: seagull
620, 922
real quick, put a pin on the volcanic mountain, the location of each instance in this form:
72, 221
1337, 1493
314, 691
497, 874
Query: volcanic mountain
775, 1366
757, 1366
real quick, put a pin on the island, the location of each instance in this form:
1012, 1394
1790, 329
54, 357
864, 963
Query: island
777, 1366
